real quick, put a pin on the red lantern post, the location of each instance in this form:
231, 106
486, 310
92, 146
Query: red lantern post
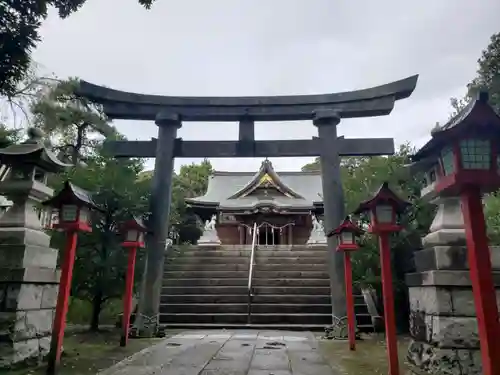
134, 230
74, 205
384, 208
465, 157
346, 238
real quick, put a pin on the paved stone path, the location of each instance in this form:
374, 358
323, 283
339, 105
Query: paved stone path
235, 352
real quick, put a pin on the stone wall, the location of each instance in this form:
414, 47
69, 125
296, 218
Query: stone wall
443, 322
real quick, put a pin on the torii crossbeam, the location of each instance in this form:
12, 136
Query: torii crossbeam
169, 112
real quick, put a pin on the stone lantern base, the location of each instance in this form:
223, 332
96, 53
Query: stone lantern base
28, 288
443, 322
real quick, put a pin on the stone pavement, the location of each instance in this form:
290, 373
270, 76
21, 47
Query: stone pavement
232, 352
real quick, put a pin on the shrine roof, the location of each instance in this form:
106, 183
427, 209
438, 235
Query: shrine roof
236, 190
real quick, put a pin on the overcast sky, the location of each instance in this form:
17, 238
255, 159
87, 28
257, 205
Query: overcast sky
276, 47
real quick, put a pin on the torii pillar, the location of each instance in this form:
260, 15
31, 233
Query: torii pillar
333, 201
147, 320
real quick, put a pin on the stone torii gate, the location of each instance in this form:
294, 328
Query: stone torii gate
169, 112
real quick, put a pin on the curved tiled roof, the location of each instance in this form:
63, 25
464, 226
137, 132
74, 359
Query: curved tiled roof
223, 189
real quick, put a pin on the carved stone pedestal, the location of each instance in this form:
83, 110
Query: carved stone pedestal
443, 322
28, 281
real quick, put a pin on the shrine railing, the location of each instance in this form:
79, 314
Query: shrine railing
250, 273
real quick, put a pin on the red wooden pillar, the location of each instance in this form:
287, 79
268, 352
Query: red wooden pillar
62, 302
351, 317
388, 297
482, 279
127, 297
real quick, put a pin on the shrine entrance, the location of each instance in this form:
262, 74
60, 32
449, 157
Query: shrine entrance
268, 235
169, 113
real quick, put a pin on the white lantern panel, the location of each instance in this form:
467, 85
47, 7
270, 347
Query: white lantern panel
384, 213
476, 154
84, 215
132, 235
69, 213
347, 238
447, 161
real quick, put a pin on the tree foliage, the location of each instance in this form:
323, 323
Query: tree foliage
487, 77
361, 177
72, 122
19, 27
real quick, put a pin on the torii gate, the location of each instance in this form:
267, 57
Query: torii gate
169, 112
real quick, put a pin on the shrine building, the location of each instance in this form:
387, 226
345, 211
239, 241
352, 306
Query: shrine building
284, 205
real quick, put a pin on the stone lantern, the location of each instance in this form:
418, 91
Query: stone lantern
454, 269
28, 292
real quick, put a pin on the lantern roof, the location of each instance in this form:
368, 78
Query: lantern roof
384, 195
346, 226
72, 194
135, 223
32, 151
477, 116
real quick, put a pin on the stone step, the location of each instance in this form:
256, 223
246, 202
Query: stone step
311, 290
256, 282
290, 260
259, 290
243, 298
208, 260
242, 308
288, 327
229, 318
206, 267
247, 253
192, 274
291, 267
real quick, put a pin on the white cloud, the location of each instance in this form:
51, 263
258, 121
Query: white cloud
262, 47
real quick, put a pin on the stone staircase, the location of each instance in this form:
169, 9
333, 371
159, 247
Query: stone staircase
207, 287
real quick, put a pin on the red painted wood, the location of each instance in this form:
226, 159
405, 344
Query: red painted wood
127, 297
388, 296
62, 303
351, 318
482, 279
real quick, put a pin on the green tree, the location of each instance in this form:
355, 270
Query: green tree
19, 27
361, 177
100, 260
74, 125
487, 77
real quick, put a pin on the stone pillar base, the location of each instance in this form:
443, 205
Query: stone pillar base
443, 322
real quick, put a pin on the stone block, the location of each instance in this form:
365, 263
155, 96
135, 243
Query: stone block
454, 332
24, 296
444, 278
450, 257
38, 324
38, 275
23, 256
24, 236
22, 351
49, 296
430, 300
445, 361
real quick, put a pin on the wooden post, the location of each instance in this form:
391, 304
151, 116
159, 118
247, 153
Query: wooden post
127, 296
388, 297
351, 317
482, 279
59, 325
